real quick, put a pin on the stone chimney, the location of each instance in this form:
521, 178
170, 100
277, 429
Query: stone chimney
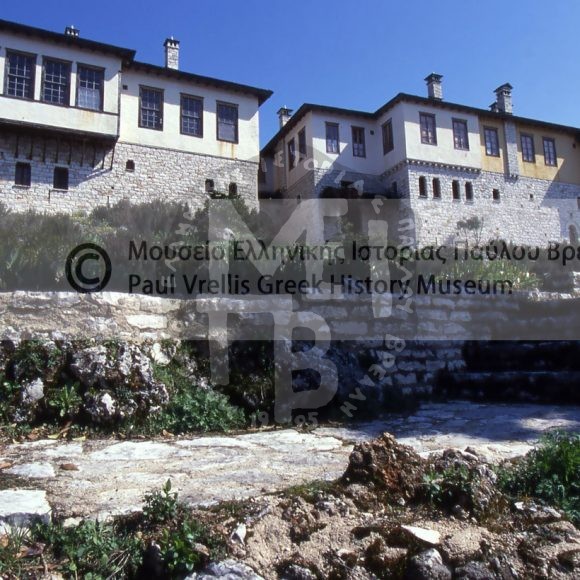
72, 31
284, 115
171, 53
504, 99
434, 86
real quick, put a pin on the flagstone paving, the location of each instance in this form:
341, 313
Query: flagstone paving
99, 478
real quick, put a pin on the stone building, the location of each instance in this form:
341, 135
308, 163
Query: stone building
445, 162
85, 124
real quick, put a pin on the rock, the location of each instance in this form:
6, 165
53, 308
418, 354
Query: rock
536, 513
19, 507
427, 565
32, 470
463, 545
239, 534
295, 572
89, 366
100, 407
32, 392
226, 570
430, 537
392, 467
474, 571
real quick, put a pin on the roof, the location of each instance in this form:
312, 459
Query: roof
261, 94
124, 53
405, 97
128, 57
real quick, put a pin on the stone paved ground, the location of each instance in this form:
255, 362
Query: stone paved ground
100, 478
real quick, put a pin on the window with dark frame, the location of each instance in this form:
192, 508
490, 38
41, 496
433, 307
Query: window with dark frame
20, 70
233, 189
422, 186
130, 166
460, 134
456, 191
90, 87
60, 178
491, 142
528, 151
550, 157
209, 186
388, 140
332, 138
496, 195
22, 174
302, 144
151, 108
191, 116
56, 82
227, 122
291, 154
428, 128
358, 142
436, 188
468, 191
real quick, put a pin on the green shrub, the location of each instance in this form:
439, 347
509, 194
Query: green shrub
550, 473
92, 550
160, 506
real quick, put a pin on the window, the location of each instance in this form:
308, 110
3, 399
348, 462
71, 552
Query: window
436, 188
358, 142
227, 122
578, 202
22, 174
460, 135
550, 157
20, 75
455, 190
90, 88
573, 235
528, 153
56, 82
60, 178
332, 138
428, 129
422, 187
233, 189
209, 186
394, 187
388, 141
491, 142
291, 154
130, 166
496, 195
191, 116
151, 108
468, 191
302, 144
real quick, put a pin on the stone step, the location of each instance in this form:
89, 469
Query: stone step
522, 356
23, 507
540, 386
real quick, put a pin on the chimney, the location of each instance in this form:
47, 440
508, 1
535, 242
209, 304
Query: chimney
171, 53
72, 31
284, 115
504, 99
434, 86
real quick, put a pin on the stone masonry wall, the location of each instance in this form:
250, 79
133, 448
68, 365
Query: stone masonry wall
99, 175
529, 211
430, 339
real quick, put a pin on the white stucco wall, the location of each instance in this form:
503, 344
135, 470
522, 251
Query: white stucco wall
444, 151
69, 117
170, 137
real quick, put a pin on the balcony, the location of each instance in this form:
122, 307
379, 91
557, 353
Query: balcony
26, 114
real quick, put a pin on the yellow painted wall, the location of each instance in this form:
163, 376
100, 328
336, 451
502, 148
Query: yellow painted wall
488, 162
567, 150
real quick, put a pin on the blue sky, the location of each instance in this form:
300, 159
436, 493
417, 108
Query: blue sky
349, 53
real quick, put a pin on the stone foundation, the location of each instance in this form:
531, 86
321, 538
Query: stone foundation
102, 174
